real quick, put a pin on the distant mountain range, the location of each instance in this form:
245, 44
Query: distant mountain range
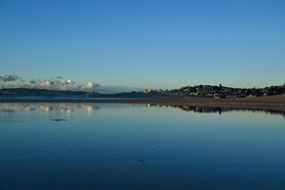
44, 93
28, 92
187, 91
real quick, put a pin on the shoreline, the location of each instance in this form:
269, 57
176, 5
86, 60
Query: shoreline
276, 103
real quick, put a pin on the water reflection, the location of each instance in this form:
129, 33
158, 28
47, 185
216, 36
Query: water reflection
219, 110
67, 108
48, 107
129, 146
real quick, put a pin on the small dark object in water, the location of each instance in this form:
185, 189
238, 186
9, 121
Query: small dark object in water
58, 119
141, 161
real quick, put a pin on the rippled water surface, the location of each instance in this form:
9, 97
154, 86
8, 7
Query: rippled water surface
116, 146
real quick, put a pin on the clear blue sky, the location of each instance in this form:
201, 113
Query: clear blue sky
146, 43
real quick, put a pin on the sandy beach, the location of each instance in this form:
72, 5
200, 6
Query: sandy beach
267, 102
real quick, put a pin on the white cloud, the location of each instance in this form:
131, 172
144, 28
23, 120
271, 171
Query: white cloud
13, 81
9, 78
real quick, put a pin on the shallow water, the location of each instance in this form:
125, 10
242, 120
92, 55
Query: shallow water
125, 146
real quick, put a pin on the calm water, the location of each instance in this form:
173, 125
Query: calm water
116, 146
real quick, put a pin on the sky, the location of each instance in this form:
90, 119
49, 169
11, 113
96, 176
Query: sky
146, 43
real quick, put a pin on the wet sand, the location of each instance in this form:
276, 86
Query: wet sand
267, 102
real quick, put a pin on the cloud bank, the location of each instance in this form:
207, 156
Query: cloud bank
14, 81
9, 78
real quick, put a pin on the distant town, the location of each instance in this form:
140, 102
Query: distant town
212, 91
220, 91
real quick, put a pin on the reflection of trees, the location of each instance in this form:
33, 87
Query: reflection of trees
216, 109
201, 109
64, 108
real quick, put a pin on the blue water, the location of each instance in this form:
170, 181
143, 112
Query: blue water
125, 146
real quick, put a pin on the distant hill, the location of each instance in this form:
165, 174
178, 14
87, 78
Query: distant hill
187, 91
222, 91
44, 93
219, 91
27, 92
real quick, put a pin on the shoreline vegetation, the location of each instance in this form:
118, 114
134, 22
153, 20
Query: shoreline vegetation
274, 103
